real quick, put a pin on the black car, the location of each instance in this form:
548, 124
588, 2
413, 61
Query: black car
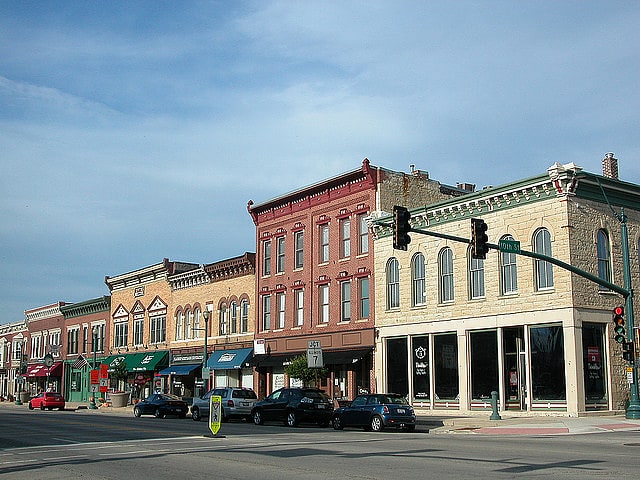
376, 412
161, 404
293, 406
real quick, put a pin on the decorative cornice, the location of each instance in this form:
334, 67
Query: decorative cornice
41, 313
153, 273
81, 309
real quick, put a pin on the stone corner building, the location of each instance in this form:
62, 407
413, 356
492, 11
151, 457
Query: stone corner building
452, 328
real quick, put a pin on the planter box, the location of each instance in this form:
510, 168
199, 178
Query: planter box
119, 399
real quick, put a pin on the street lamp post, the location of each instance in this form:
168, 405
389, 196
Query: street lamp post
206, 314
94, 343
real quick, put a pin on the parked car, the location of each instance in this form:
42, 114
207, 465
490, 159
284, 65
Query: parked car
376, 412
161, 404
293, 406
48, 400
237, 402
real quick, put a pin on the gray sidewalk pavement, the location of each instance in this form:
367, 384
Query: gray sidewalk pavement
478, 424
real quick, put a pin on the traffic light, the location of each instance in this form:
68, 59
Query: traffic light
401, 227
628, 352
618, 325
479, 238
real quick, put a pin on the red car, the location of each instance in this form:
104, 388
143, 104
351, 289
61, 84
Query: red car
48, 400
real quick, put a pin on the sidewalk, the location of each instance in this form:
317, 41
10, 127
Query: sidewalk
479, 424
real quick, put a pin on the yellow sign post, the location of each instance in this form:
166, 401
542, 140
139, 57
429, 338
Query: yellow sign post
215, 413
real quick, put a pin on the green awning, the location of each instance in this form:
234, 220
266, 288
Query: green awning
129, 359
151, 361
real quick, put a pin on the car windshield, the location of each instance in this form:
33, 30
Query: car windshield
168, 398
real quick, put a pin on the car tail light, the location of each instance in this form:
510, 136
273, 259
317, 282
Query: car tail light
229, 403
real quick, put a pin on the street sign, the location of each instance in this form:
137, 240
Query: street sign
509, 246
314, 358
95, 377
313, 344
215, 413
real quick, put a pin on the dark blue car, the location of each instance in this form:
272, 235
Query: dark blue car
375, 412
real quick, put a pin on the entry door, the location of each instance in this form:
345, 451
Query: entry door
515, 363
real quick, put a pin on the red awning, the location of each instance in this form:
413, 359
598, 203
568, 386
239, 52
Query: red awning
40, 370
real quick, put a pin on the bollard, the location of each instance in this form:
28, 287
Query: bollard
494, 406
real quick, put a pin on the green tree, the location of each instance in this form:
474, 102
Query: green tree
117, 373
299, 369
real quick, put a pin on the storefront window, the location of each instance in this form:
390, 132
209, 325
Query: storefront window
420, 355
484, 364
595, 384
445, 349
547, 363
397, 371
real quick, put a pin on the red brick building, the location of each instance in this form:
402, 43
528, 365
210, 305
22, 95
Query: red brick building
314, 270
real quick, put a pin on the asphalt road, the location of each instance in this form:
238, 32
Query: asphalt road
69, 445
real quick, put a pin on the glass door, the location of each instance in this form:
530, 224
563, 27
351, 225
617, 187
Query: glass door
515, 363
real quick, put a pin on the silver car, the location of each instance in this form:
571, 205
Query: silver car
237, 402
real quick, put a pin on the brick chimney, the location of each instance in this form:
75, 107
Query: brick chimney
610, 166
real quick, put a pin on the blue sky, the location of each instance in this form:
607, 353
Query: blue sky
134, 131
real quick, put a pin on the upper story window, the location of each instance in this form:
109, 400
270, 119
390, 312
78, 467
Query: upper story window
281, 304
266, 312
298, 245
299, 296
138, 331
476, 277
363, 234
445, 275
324, 243
393, 283
197, 318
72, 340
234, 317
244, 316
180, 326
280, 254
543, 269
345, 237
604, 258
158, 329
188, 325
121, 334
363, 297
266, 257
508, 271
345, 301
418, 286
36, 347
224, 319
323, 303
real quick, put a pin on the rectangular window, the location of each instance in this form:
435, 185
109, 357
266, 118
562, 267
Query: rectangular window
158, 329
72, 341
85, 338
100, 337
299, 249
363, 234
121, 334
280, 255
138, 331
266, 312
345, 301
363, 293
299, 307
323, 294
345, 238
266, 257
280, 300
324, 243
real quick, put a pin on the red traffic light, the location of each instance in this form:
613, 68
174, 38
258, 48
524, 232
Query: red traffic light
618, 311
619, 333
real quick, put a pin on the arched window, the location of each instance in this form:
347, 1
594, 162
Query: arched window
418, 286
445, 274
223, 319
543, 269
244, 316
234, 317
508, 271
393, 283
180, 326
476, 276
604, 258
188, 323
197, 315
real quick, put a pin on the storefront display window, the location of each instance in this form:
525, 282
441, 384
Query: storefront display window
420, 367
595, 384
484, 364
445, 349
397, 368
547, 363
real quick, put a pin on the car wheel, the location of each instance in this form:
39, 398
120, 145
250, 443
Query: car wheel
257, 417
195, 414
30, 406
42, 406
158, 413
376, 424
337, 423
291, 420
137, 412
